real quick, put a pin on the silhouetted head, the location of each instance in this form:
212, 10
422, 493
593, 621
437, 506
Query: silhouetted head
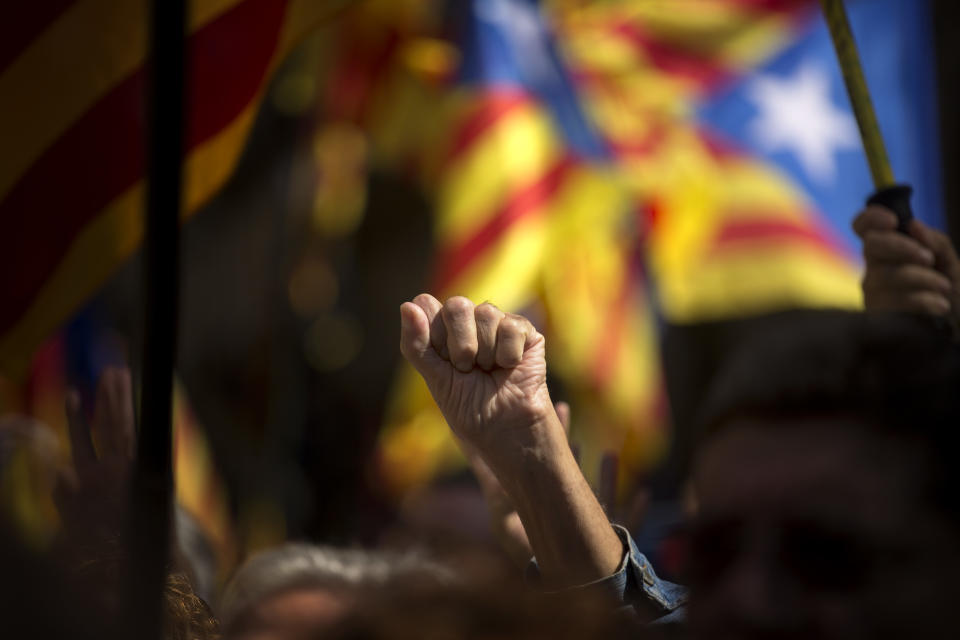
300, 590
827, 484
487, 612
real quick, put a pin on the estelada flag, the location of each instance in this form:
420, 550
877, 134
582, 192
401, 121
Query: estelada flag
723, 162
72, 80
736, 133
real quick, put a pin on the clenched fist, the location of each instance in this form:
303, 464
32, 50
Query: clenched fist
486, 371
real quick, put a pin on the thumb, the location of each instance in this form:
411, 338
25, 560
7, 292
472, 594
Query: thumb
415, 341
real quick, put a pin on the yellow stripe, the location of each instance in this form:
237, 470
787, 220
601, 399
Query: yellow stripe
762, 278
510, 272
514, 152
95, 252
583, 270
117, 231
209, 166
112, 238
730, 34
92, 47
506, 273
415, 443
301, 17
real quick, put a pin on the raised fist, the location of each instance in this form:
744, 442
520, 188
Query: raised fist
487, 373
485, 369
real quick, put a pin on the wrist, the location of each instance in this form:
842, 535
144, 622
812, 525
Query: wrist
567, 528
540, 448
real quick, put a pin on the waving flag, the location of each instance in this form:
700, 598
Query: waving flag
71, 120
531, 213
792, 112
733, 125
605, 166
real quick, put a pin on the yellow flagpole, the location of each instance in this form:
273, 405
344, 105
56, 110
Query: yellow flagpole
889, 193
853, 78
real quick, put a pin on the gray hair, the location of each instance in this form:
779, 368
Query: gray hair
299, 565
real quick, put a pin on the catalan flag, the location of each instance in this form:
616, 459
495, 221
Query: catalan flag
531, 213
72, 125
609, 166
732, 122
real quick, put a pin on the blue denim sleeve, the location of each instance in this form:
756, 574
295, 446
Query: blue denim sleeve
633, 582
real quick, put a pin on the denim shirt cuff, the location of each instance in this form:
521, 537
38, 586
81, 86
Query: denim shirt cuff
634, 579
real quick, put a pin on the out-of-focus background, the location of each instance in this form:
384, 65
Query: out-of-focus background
639, 177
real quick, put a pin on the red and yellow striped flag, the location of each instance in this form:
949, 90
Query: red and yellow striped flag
669, 223
728, 234
521, 219
72, 123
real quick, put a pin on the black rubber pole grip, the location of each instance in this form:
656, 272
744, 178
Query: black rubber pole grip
897, 199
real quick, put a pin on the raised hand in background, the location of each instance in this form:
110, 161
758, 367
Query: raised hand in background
918, 273
92, 496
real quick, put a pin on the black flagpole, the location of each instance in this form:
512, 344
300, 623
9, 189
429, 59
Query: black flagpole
149, 527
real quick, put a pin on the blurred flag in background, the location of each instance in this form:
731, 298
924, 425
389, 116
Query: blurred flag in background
603, 166
72, 122
606, 166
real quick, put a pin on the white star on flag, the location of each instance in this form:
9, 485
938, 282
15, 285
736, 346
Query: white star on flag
521, 23
795, 114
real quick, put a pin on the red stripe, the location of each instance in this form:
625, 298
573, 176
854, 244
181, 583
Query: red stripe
720, 147
359, 73
23, 22
102, 154
775, 6
493, 106
641, 147
671, 59
452, 262
737, 233
623, 146
613, 336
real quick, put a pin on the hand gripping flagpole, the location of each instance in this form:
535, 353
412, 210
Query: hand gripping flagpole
889, 193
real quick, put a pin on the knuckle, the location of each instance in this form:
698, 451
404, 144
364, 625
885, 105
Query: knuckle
874, 245
522, 321
924, 301
424, 300
511, 326
458, 305
464, 350
861, 223
487, 312
941, 243
909, 273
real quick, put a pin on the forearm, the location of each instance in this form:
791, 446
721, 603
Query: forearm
568, 530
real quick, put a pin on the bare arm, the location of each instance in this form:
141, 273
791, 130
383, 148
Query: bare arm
487, 373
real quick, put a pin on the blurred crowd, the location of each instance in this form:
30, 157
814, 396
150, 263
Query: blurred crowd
822, 494
656, 385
